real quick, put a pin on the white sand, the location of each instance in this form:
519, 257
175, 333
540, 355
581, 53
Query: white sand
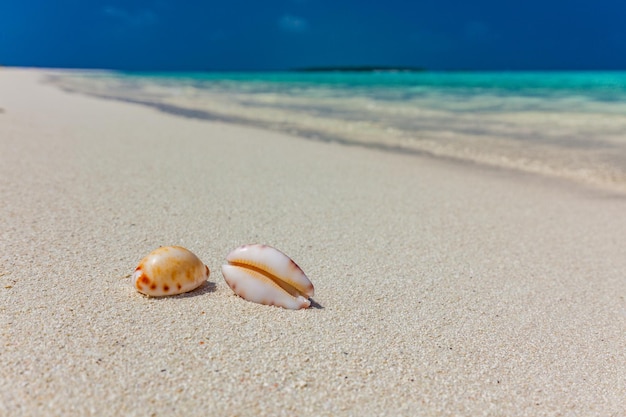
446, 289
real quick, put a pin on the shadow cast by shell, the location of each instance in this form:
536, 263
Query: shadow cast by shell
206, 288
315, 304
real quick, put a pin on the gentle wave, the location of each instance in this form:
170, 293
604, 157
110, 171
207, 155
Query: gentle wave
568, 125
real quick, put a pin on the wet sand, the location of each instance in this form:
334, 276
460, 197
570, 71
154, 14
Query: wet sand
441, 288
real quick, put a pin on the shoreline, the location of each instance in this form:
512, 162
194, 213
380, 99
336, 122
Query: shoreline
607, 190
563, 154
444, 289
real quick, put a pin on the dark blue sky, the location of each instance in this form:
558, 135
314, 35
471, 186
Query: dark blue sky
282, 34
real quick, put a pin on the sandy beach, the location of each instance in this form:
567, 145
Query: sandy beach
443, 289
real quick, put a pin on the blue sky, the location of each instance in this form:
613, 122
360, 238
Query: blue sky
272, 34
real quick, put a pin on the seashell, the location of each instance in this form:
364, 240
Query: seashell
265, 275
169, 270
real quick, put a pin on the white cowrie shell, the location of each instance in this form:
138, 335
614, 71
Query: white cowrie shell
265, 275
169, 270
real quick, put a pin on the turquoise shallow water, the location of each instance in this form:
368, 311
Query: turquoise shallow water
593, 83
601, 87
562, 124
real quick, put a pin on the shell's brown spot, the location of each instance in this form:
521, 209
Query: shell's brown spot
145, 279
166, 287
153, 286
179, 286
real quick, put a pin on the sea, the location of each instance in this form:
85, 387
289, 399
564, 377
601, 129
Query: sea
568, 125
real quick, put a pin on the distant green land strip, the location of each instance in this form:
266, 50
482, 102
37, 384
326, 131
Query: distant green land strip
360, 69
